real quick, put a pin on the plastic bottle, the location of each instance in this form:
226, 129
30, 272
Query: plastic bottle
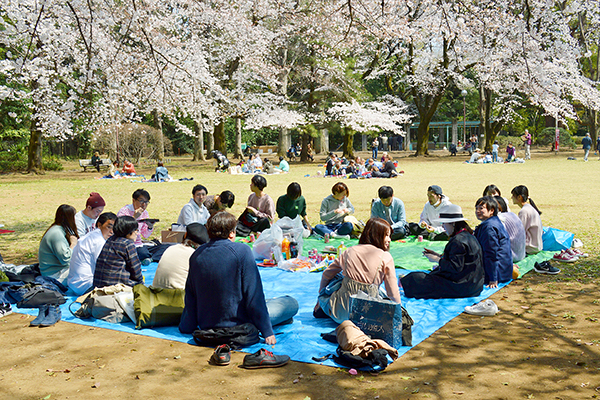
293, 250
341, 248
285, 247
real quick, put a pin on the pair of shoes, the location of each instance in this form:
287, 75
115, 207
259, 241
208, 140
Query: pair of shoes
264, 359
577, 253
563, 256
5, 309
486, 308
221, 356
49, 315
545, 268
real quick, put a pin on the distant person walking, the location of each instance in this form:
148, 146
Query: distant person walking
375, 148
587, 145
527, 140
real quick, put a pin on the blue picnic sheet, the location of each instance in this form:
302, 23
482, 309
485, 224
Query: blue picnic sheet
301, 339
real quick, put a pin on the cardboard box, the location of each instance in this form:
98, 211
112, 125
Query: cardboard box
172, 237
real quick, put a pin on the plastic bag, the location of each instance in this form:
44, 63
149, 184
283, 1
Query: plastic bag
269, 242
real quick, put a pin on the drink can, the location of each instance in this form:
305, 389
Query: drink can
420, 238
326, 238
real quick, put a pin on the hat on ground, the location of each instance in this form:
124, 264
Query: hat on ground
197, 233
435, 189
95, 200
451, 213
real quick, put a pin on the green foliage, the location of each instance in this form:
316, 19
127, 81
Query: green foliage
13, 152
182, 143
547, 137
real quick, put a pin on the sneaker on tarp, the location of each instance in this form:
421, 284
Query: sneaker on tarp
5, 309
221, 356
264, 359
577, 253
486, 308
563, 256
545, 268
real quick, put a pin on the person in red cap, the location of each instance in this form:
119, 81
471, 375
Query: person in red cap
86, 218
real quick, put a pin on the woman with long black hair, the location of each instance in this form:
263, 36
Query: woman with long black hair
57, 244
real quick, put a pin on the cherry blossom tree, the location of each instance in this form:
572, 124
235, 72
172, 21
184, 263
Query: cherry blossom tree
389, 113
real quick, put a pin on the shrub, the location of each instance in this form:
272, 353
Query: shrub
548, 135
135, 141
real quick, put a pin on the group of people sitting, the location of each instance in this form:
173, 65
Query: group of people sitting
359, 168
256, 165
480, 157
92, 248
471, 258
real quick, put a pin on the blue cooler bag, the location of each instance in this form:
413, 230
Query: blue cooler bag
555, 239
378, 318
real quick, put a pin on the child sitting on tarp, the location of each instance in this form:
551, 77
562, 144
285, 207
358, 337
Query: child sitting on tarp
494, 241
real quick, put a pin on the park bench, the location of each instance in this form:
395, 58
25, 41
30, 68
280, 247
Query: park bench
87, 163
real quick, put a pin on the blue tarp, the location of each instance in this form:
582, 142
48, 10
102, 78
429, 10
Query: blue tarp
301, 340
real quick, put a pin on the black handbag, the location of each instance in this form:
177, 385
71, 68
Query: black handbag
38, 296
238, 336
407, 323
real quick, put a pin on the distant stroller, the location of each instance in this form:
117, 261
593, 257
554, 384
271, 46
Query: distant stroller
453, 149
222, 161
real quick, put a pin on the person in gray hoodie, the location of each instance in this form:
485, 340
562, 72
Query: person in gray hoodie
334, 208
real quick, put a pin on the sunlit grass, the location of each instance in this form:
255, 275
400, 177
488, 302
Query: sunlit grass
564, 190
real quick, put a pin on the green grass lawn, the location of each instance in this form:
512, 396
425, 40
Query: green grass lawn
565, 191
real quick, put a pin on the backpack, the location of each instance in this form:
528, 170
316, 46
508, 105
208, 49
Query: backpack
238, 336
376, 361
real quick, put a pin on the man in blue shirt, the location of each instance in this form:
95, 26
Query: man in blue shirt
224, 289
391, 209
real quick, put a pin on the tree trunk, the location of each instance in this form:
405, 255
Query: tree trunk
427, 105
485, 112
348, 146
210, 143
238, 139
220, 140
422, 138
199, 142
304, 152
489, 129
34, 153
161, 139
594, 124
284, 134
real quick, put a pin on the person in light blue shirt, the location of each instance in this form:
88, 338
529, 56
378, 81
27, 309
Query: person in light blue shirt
495, 148
161, 174
283, 165
392, 210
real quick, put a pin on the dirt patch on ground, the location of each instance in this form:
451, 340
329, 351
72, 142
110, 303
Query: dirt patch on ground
544, 344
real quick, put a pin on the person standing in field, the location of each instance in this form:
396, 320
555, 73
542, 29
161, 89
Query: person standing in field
586, 142
527, 140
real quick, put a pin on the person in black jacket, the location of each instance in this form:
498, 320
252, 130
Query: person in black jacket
460, 272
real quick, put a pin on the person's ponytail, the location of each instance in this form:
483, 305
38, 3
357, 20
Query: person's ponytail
534, 206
